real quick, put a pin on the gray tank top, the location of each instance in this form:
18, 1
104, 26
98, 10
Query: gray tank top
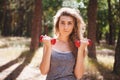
61, 66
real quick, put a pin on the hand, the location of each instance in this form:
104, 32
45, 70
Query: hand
78, 42
52, 40
84, 43
46, 40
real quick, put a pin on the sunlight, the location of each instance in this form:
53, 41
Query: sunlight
106, 60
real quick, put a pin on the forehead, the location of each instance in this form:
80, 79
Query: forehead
66, 18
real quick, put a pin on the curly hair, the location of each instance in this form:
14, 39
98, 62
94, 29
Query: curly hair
79, 26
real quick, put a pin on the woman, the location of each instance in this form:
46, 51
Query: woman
63, 60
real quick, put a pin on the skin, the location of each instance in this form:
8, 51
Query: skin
66, 25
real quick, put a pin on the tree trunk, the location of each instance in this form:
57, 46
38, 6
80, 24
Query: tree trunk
6, 27
111, 27
98, 34
36, 26
116, 68
46, 29
92, 14
20, 26
4, 14
28, 23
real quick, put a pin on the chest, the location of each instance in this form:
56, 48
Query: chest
62, 58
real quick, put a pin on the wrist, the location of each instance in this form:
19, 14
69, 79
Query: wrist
81, 49
48, 46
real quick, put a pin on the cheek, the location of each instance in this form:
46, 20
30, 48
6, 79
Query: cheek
60, 29
61, 26
71, 29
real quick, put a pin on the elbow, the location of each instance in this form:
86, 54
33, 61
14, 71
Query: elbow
78, 76
43, 71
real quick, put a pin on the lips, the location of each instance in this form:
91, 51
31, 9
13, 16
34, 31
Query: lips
66, 31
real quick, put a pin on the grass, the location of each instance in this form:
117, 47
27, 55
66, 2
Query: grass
100, 69
15, 50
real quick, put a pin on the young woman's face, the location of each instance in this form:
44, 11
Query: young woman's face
66, 24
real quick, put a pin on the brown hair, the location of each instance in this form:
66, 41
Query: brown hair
79, 25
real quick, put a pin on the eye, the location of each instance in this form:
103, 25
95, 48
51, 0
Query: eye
70, 23
62, 22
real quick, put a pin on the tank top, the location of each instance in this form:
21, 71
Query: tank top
61, 66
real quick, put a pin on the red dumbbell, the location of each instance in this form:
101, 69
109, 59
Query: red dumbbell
53, 40
77, 43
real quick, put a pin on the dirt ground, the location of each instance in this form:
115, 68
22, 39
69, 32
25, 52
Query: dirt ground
13, 67
18, 63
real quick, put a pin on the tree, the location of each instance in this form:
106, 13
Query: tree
102, 22
19, 30
116, 68
111, 27
49, 9
92, 13
36, 25
6, 27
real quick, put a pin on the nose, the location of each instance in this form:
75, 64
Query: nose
66, 26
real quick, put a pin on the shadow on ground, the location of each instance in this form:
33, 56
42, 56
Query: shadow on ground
27, 56
106, 74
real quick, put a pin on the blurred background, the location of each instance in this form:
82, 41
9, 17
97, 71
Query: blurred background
23, 21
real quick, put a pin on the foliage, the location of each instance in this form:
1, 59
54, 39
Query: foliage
49, 9
116, 14
26, 7
102, 17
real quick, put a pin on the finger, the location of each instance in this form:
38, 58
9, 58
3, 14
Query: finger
85, 41
46, 37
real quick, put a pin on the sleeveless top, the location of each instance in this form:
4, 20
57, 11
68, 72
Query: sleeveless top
61, 66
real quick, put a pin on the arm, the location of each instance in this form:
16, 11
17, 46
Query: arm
45, 63
79, 66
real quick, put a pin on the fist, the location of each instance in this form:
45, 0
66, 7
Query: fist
78, 42
52, 40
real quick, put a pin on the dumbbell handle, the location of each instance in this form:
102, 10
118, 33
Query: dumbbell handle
77, 43
53, 40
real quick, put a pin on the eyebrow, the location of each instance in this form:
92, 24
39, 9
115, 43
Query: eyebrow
64, 21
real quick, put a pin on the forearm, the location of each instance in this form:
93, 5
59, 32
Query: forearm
79, 67
45, 63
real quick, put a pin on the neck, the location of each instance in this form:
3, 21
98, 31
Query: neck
63, 39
